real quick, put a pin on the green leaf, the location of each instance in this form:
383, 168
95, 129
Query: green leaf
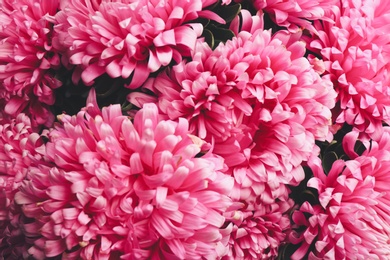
229, 12
203, 21
221, 34
208, 37
126, 106
328, 160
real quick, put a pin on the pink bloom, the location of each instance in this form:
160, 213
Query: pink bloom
128, 38
133, 189
18, 147
256, 97
352, 218
259, 231
355, 49
27, 59
296, 14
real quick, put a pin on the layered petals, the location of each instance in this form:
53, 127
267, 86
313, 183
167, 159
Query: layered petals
355, 50
256, 97
296, 14
133, 188
27, 59
126, 38
259, 231
351, 220
20, 146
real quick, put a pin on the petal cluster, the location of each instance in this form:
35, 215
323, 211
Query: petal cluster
27, 59
296, 14
351, 220
126, 38
136, 189
355, 49
259, 230
19, 146
256, 97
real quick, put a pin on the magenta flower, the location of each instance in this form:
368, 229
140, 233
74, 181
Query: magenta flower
133, 189
128, 38
19, 145
27, 59
352, 219
355, 51
256, 97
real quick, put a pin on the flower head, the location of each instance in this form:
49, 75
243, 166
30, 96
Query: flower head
355, 50
352, 219
117, 187
27, 59
127, 38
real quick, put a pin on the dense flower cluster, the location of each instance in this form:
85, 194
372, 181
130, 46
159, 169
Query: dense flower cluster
256, 96
194, 129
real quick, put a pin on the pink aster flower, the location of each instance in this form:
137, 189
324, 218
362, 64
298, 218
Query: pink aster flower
352, 219
133, 189
355, 50
296, 14
18, 147
27, 59
128, 38
259, 230
256, 96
